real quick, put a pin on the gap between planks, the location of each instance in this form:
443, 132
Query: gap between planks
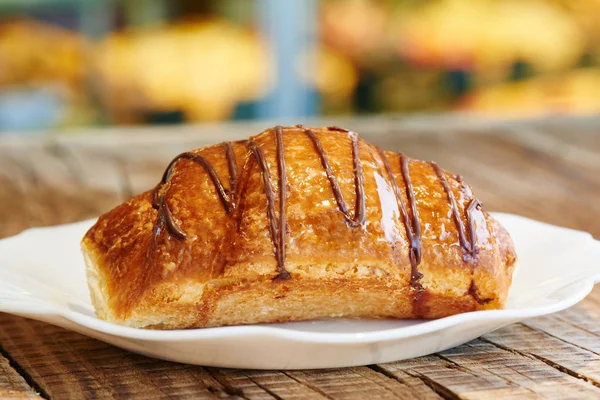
15, 382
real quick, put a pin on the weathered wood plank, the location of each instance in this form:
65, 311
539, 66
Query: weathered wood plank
12, 385
456, 381
480, 370
361, 383
555, 352
68, 365
273, 384
29, 198
586, 319
582, 334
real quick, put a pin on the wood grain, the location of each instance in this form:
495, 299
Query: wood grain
545, 169
557, 353
12, 384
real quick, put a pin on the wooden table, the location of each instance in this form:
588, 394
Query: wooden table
548, 170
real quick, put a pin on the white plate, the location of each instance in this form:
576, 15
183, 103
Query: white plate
42, 277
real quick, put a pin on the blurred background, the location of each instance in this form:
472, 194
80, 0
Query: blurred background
73, 63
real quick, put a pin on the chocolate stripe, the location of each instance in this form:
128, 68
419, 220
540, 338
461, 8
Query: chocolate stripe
159, 201
416, 225
412, 228
277, 227
475, 204
468, 246
283, 273
455, 212
359, 213
233, 171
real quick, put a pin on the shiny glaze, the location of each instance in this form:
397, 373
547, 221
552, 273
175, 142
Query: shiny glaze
475, 204
469, 246
277, 226
277, 221
227, 197
359, 210
412, 227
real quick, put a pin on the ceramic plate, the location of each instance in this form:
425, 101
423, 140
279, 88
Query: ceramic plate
42, 277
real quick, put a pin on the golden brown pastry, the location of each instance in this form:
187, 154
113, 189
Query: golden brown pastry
294, 224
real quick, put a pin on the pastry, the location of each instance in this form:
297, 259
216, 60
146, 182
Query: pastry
295, 224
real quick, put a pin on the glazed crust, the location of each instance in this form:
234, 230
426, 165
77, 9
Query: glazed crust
141, 275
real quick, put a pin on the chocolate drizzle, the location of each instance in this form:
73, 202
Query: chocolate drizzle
277, 227
226, 196
277, 218
470, 246
359, 210
412, 228
415, 240
475, 204
233, 171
